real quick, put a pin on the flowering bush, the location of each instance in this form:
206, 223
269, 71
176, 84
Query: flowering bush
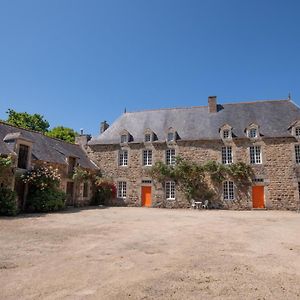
42, 177
5, 163
105, 190
81, 174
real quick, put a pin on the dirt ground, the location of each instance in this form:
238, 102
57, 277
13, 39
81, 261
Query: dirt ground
140, 253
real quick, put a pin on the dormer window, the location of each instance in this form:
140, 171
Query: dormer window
124, 138
171, 137
226, 132
23, 156
252, 133
297, 132
147, 137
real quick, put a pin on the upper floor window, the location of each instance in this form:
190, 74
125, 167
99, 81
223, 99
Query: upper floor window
122, 189
226, 155
170, 157
297, 153
124, 138
252, 133
148, 137
123, 158
255, 155
226, 134
297, 131
23, 156
147, 157
228, 190
71, 165
171, 136
170, 190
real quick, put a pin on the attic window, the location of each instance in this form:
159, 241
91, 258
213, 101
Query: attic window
124, 138
171, 136
252, 133
226, 134
147, 137
297, 131
23, 157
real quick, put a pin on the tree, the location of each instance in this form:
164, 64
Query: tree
63, 133
25, 120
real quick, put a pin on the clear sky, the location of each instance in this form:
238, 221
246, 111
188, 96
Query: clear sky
79, 62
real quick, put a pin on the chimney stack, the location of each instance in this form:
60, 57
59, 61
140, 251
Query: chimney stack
212, 104
103, 126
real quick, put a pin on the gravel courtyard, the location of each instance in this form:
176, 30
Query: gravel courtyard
140, 253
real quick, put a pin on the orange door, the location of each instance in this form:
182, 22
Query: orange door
146, 196
258, 200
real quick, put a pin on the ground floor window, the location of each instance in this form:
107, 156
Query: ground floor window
170, 190
85, 189
228, 190
122, 189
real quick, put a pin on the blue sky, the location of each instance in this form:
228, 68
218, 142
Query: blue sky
81, 62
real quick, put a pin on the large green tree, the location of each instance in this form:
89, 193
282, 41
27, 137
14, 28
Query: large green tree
25, 120
63, 133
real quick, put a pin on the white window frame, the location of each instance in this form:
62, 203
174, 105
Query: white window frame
227, 155
123, 158
148, 137
124, 138
297, 131
255, 155
170, 190
122, 189
170, 156
147, 157
297, 154
226, 134
171, 136
252, 133
228, 190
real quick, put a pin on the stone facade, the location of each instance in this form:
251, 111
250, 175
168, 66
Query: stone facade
278, 171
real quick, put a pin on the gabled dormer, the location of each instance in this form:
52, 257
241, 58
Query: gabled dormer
252, 131
22, 146
172, 135
149, 136
125, 137
295, 129
226, 132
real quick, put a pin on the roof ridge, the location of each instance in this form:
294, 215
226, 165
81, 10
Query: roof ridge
258, 101
35, 131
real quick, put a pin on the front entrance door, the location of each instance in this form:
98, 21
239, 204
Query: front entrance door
258, 197
146, 196
70, 193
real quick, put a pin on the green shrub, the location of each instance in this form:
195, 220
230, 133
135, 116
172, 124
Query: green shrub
8, 202
46, 200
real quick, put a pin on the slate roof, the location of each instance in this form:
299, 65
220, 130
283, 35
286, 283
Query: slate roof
43, 148
273, 117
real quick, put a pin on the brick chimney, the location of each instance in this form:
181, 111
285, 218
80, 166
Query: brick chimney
103, 126
212, 104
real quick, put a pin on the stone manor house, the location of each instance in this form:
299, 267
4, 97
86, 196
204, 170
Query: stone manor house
264, 134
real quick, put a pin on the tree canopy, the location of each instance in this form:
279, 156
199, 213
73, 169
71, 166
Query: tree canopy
63, 133
25, 120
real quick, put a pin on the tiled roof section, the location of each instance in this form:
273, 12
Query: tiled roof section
196, 123
45, 148
4, 149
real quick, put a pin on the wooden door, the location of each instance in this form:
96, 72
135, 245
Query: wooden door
146, 196
70, 193
258, 197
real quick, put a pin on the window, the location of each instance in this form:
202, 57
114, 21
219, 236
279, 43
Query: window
124, 138
122, 189
147, 137
252, 133
297, 153
228, 190
71, 165
170, 190
299, 189
147, 157
226, 155
171, 136
297, 131
255, 155
85, 189
123, 158
170, 157
226, 134
23, 157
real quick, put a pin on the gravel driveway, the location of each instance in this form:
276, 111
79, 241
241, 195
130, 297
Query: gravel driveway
140, 253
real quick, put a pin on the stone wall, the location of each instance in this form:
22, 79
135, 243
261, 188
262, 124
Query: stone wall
278, 172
